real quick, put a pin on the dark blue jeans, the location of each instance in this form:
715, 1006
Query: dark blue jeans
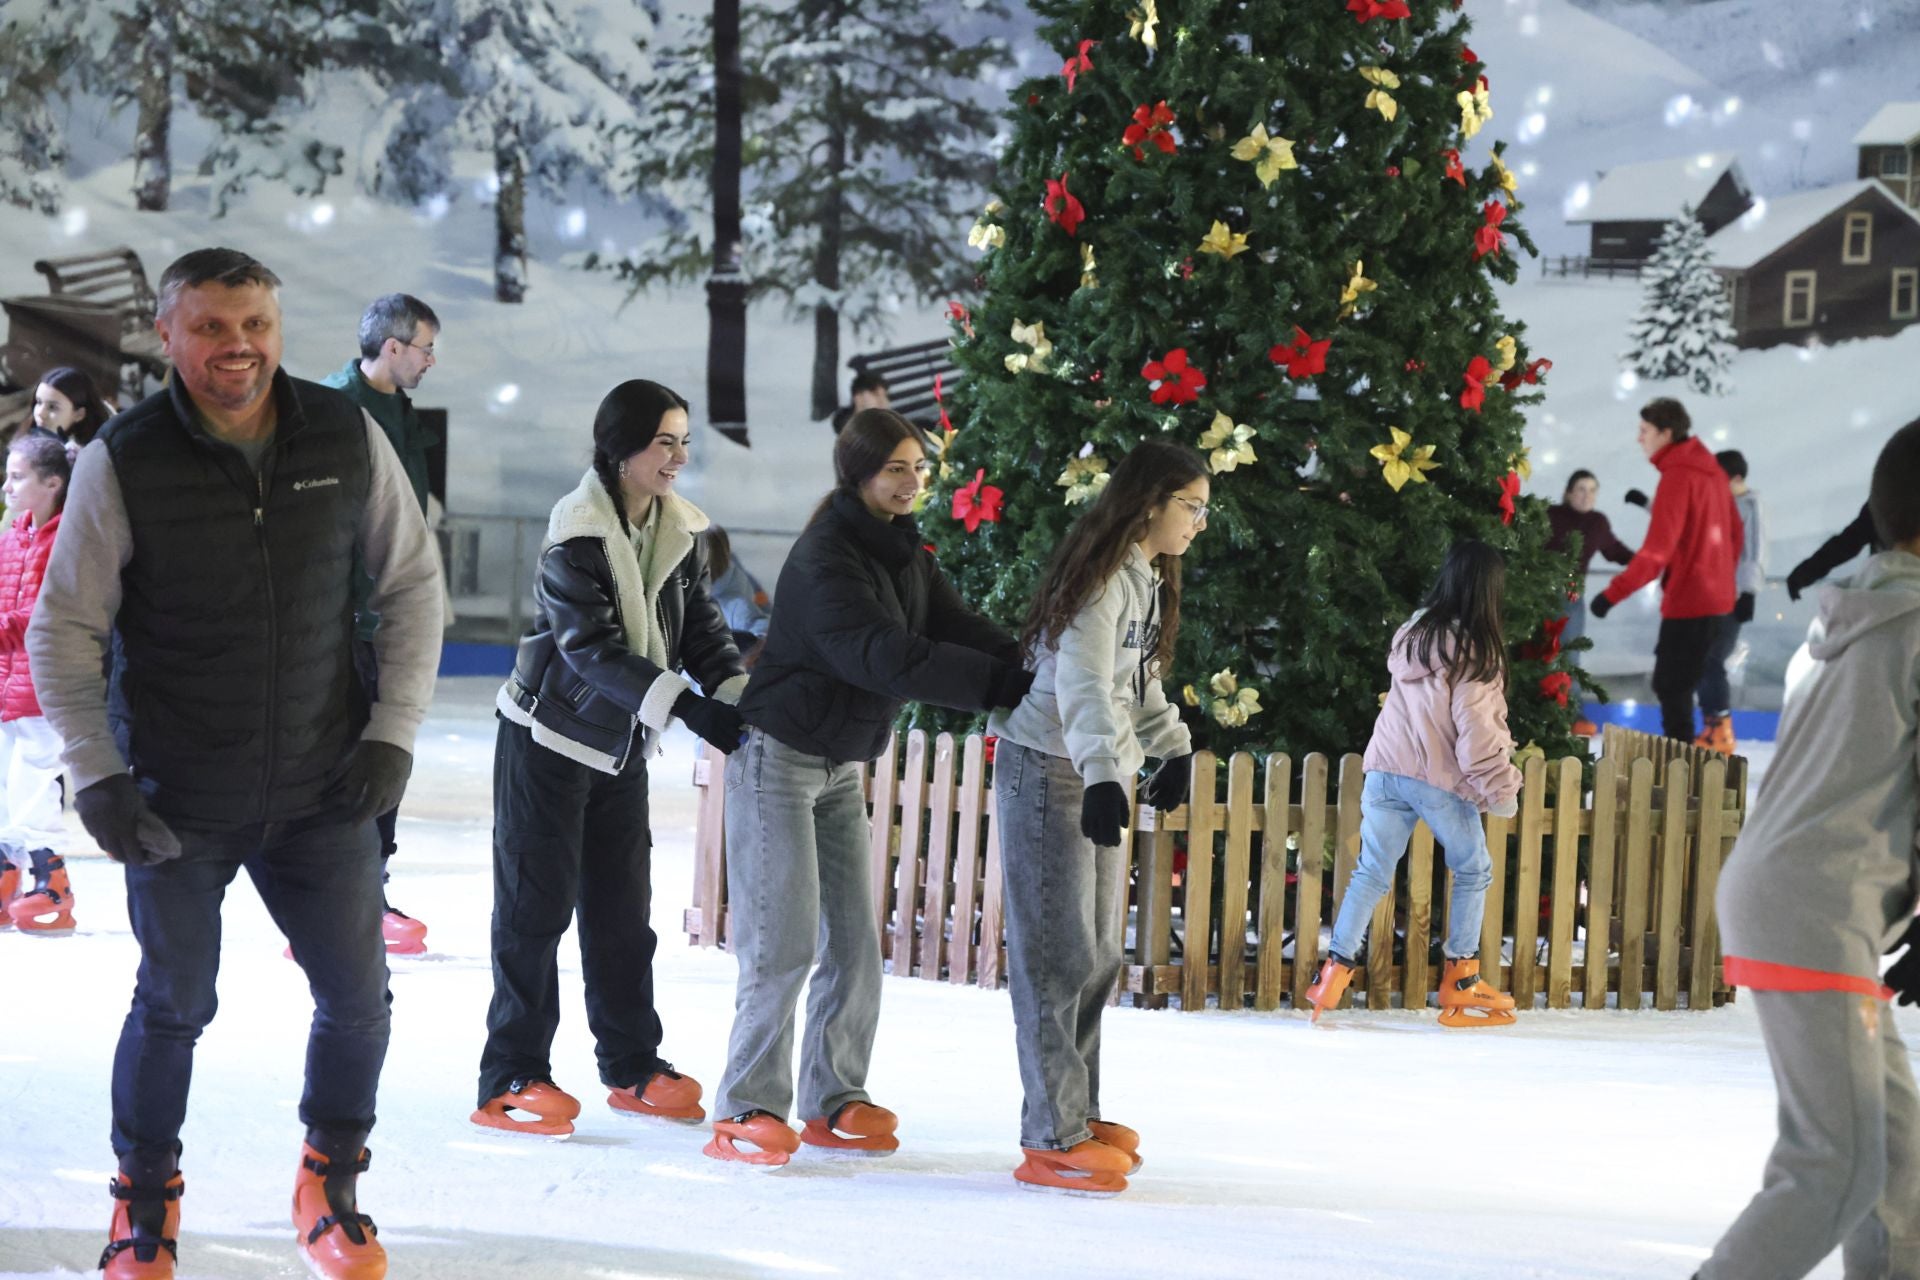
320, 881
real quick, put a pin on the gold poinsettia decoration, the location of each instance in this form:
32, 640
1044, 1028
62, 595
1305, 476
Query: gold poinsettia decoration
1396, 468
1270, 154
1231, 443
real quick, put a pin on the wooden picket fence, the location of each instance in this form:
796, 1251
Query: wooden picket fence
1602, 885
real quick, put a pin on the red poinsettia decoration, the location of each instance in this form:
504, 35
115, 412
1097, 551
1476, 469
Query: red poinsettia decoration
1547, 647
1509, 490
1467, 55
1487, 238
1455, 170
1063, 207
940, 403
1178, 382
1077, 63
1479, 369
1365, 11
976, 501
1513, 378
1555, 685
1303, 357
1150, 127
958, 313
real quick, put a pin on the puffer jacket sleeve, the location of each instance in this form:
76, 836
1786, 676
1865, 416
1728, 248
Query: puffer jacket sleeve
864, 645
707, 651
1482, 746
1083, 674
951, 619
575, 589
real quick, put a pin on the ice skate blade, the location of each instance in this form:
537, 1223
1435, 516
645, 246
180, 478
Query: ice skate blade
726, 1152
545, 1130
406, 948
1475, 1020
820, 1137
819, 1151
47, 931
1092, 1190
316, 1269
628, 1113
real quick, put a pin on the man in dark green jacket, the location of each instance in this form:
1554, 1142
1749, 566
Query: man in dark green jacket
396, 350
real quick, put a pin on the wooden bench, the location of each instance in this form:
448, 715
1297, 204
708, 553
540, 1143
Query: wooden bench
97, 315
910, 372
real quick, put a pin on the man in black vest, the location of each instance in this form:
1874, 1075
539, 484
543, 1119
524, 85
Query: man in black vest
208, 547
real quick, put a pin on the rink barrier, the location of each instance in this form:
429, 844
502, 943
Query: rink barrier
1619, 866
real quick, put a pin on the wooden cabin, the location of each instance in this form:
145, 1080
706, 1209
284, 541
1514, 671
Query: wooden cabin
1830, 264
1889, 147
1633, 203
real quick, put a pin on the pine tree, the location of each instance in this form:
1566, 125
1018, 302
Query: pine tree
1247, 226
1685, 325
39, 48
865, 148
545, 86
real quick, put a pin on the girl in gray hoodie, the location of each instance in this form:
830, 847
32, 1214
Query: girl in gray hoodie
1100, 633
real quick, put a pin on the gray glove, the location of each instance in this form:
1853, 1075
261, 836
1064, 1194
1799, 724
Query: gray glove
116, 815
376, 778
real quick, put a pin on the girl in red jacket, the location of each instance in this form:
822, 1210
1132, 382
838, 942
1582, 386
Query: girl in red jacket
38, 468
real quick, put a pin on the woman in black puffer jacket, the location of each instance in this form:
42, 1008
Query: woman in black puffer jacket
863, 622
623, 610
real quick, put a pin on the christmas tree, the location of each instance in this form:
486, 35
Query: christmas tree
1685, 325
1252, 227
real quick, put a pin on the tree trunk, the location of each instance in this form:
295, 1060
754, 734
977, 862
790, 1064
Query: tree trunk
727, 286
152, 157
826, 259
509, 215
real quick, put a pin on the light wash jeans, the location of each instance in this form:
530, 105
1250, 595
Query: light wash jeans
800, 897
1846, 1168
1390, 805
1064, 944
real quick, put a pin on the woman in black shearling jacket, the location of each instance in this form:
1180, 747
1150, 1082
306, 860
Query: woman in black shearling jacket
623, 610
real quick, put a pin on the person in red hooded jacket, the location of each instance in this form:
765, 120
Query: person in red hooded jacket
1693, 546
38, 468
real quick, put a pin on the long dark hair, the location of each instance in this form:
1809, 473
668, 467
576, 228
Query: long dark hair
78, 387
1461, 622
626, 422
863, 447
1097, 545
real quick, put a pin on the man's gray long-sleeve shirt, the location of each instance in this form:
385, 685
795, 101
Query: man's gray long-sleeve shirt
72, 627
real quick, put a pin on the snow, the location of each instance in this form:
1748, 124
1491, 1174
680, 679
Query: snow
1772, 224
1895, 124
1656, 190
1597, 1146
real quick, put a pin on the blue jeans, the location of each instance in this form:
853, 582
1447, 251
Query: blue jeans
1064, 941
1390, 805
320, 880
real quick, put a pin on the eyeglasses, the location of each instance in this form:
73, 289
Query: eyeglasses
1197, 509
426, 350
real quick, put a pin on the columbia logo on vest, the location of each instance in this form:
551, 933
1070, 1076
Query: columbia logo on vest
321, 483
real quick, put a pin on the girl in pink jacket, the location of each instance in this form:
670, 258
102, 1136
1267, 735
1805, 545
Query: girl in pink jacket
1439, 754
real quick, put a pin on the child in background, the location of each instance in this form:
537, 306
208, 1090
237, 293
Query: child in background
1439, 753
38, 468
737, 592
1100, 633
1824, 881
1716, 694
65, 404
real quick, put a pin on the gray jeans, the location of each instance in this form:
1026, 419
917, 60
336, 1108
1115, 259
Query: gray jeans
1064, 941
799, 896
1846, 1168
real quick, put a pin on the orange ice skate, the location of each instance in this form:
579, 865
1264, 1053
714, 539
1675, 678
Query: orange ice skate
665, 1095
771, 1139
1329, 986
337, 1241
536, 1108
855, 1129
1467, 1001
1120, 1138
1090, 1168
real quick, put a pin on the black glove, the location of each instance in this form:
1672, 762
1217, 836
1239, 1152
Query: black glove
1799, 580
1103, 812
376, 778
1599, 606
116, 815
1904, 976
712, 719
1171, 783
1009, 687
1636, 498
1743, 608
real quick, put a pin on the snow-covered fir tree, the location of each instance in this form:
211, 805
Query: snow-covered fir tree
543, 86
38, 45
865, 156
1685, 325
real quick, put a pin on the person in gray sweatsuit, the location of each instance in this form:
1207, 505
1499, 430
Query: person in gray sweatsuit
1824, 881
1100, 632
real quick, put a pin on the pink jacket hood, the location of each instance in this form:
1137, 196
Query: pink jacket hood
1446, 733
